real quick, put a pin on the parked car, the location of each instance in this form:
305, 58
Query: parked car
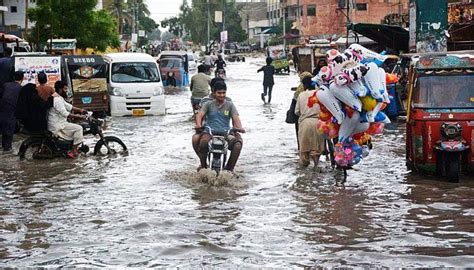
192, 62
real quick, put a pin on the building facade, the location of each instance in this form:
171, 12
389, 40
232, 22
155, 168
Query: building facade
325, 18
254, 17
13, 15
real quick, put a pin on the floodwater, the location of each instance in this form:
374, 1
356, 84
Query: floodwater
151, 209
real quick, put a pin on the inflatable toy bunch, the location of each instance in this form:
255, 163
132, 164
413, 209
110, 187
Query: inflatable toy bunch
352, 96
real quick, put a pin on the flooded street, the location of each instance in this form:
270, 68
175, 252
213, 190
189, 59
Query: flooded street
149, 209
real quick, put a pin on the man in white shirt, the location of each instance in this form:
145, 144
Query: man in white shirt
208, 59
57, 119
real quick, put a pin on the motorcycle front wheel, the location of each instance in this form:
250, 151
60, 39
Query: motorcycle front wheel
216, 162
116, 146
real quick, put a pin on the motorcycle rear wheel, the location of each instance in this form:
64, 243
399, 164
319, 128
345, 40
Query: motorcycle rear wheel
35, 150
115, 144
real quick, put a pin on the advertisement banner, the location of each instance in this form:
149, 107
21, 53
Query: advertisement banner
223, 36
32, 65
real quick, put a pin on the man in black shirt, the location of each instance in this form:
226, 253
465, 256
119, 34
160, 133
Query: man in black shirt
268, 82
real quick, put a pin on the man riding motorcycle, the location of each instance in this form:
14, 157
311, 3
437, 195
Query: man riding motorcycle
218, 114
199, 87
219, 64
57, 119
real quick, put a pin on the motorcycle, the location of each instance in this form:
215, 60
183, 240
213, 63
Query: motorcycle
450, 150
218, 147
47, 146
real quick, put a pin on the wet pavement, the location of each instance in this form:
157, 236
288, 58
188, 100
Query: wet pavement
150, 209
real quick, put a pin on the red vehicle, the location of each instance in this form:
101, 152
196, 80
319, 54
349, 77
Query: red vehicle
440, 114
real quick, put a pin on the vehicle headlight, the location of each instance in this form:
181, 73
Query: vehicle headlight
158, 91
451, 130
117, 91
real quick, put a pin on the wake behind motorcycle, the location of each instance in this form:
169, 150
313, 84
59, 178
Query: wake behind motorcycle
47, 146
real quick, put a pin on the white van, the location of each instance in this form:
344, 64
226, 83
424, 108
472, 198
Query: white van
135, 85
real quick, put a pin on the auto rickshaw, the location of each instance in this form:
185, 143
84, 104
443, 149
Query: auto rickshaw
440, 114
174, 64
88, 75
172, 72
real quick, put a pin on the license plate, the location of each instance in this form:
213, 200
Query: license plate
86, 100
138, 112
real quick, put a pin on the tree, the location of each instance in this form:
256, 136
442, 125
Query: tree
195, 19
73, 19
130, 12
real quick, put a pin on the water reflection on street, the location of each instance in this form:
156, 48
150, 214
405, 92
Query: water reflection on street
150, 209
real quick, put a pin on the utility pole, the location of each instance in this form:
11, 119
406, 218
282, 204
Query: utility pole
223, 16
208, 26
248, 29
347, 24
400, 15
284, 24
298, 15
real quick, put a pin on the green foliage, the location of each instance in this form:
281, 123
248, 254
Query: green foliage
73, 19
174, 25
279, 27
275, 40
195, 21
127, 12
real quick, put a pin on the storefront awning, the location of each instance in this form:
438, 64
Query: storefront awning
391, 36
271, 30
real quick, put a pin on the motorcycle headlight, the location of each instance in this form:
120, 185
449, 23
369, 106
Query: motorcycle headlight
451, 130
117, 91
158, 91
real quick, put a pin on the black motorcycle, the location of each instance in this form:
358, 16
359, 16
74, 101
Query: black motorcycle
47, 146
218, 147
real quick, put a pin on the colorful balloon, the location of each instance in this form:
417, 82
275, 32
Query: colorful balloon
346, 96
374, 83
326, 98
368, 103
351, 74
348, 127
325, 74
375, 128
327, 129
368, 55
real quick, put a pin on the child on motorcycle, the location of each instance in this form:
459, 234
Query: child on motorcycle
218, 114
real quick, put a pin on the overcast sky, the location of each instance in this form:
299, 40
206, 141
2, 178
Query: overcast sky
161, 9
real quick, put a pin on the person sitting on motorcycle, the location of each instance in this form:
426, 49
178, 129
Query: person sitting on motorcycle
219, 64
197, 136
218, 114
199, 86
57, 119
